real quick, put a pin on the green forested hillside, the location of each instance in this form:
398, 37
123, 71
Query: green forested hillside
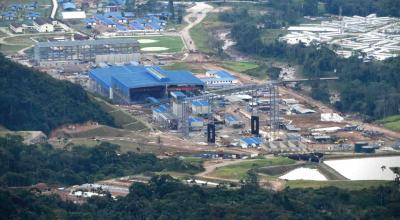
165, 198
22, 165
31, 100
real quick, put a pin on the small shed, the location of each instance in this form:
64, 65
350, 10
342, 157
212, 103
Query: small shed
231, 120
299, 109
200, 107
196, 123
248, 142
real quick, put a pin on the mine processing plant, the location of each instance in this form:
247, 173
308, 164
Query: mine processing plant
271, 87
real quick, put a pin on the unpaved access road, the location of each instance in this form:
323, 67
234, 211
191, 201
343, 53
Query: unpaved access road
197, 13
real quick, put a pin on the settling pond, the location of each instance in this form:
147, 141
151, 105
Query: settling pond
371, 168
303, 173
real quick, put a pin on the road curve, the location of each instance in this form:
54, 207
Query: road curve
54, 10
198, 12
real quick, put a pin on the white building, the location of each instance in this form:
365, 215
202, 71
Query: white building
16, 28
196, 124
43, 25
200, 107
67, 15
219, 78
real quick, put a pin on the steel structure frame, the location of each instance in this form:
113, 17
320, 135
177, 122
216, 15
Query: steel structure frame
83, 50
271, 86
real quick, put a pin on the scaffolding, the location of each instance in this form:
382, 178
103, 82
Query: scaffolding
126, 49
274, 119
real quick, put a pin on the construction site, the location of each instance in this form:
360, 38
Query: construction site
261, 117
171, 100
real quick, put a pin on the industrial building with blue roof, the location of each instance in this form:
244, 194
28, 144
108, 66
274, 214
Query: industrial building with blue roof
247, 142
130, 83
219, 78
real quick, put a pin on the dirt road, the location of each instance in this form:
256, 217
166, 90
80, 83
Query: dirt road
211, 165
197, 13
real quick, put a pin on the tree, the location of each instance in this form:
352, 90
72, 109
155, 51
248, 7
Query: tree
310, 7
131, 5
274, 72
31, 100
396, 171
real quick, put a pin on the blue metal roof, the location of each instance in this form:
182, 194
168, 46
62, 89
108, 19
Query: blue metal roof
178, 94
200, 103
129, 14
130, 76
230, 118
8, 14
154, 26
89, 20
195, 119
161, 109
31, 5
121, 27
33, 14
113, 14
104, 20
69, 6
252, 140
140, 20
117, 2
222, 74
136, 25
15, 7
153, 100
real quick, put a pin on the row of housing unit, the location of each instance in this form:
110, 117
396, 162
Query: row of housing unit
378, 37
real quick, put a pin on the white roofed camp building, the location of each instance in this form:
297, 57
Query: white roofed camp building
219, 78
43, 25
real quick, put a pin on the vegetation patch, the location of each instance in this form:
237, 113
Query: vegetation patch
32, 100
203, 36
103, 131
185, 66
343, 184
239, 171
11, 49
278, 170
239, 66
392, 122
170, 43
23, 165
165, 198
122, 119
271, 35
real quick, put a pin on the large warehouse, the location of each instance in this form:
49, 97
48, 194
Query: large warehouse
129, 83
110, 50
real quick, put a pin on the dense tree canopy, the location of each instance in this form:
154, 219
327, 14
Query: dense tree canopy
22, 165
32, 100
364, 7
165, 198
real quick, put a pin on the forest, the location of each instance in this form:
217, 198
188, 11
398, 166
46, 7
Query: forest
166, 198
23, 165
289, 12
294, 9
32, 100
